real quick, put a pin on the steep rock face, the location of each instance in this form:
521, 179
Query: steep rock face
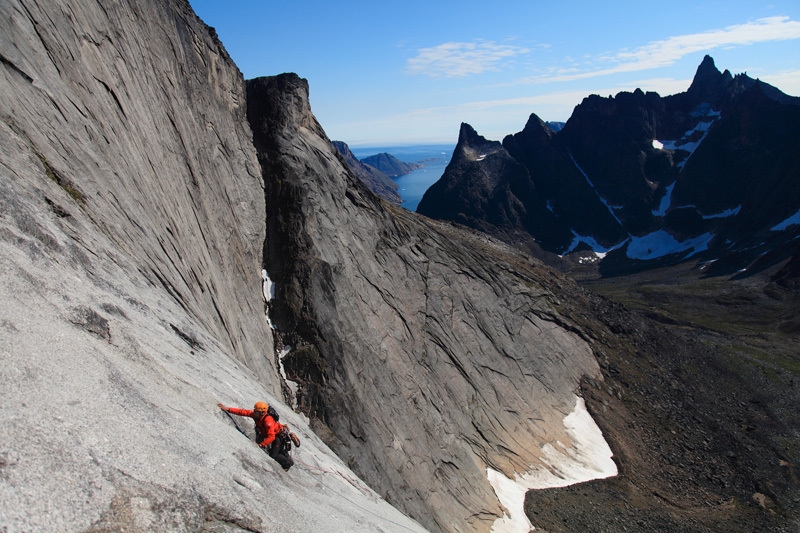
426, 353
131, 231
476, 188
648, 180
611, 141
374, 178
82, 98
570, 199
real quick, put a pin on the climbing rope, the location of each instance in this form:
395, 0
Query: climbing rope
333, 473
308, 469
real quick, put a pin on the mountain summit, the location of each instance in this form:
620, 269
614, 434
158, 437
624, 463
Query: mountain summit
712, 173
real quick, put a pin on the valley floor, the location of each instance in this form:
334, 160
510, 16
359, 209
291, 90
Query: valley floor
699, 404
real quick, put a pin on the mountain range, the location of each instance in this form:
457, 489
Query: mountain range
377, 171
173, 236
641, 180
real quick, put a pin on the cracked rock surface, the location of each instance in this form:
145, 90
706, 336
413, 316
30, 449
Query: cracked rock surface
131, 238
427, 353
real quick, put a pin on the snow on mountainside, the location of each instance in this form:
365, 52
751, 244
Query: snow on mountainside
793, 220
154, 206
689, 142
590, 458
644, 180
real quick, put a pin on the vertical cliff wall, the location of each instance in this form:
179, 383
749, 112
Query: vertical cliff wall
428, 354
131, 235
131, 120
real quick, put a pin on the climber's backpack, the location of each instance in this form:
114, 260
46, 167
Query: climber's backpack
284, 440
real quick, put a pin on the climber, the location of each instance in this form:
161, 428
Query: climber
272, 436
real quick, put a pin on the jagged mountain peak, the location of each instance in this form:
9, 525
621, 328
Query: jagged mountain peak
469, 137
619, 176
473, 146
536, 127
707, 75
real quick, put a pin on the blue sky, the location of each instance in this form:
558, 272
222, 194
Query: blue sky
386, 73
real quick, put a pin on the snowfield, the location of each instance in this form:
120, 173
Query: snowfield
660, 243
793, 220
708, 117
589, 458
666, 201
725, 214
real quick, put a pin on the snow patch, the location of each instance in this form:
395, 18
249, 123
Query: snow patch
708, 116
293, 386
658, 145
660, 243
605, 203
268, 286
725, 214
669, 145
589, 458
793, 220
666, 201
481, 157
595, 246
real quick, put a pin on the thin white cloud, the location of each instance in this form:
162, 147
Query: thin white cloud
667, 51
787, 81
493, 119
459, 59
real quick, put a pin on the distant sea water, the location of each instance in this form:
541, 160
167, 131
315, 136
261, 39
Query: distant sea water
412, 186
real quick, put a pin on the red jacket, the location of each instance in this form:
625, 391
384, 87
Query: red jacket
266, 427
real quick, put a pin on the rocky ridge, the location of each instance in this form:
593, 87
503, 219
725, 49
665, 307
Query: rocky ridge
642, 179
375, 179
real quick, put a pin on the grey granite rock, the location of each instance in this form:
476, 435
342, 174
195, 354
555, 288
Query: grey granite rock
436, 352
131, 233
137, 210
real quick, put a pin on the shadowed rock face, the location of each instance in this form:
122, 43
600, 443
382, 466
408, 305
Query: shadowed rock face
628, 173
427, 353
